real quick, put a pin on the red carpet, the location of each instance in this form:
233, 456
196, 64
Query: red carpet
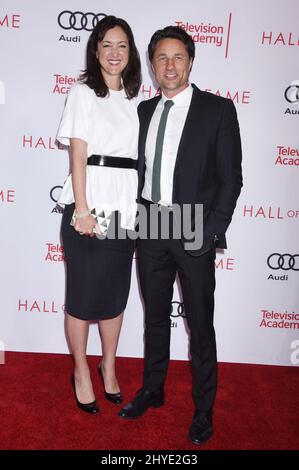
257, 408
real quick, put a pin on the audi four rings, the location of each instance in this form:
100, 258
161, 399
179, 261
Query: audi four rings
292, 94
179, 309
283, 261
78, 20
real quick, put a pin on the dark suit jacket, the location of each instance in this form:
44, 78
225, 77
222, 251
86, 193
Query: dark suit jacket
208, 165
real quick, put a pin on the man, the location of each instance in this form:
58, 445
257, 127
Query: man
189, 153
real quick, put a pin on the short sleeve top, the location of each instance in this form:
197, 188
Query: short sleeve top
109, 126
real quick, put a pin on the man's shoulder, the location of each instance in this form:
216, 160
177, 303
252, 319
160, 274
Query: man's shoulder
209, 98
150, 102
147, 106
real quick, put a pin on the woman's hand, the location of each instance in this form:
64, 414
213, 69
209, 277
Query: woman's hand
85, 225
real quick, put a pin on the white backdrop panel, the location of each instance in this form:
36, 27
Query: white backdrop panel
246, 51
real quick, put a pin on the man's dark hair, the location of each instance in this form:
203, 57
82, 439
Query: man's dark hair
92, 75
174, 32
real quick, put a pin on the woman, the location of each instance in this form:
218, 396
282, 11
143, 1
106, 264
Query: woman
100, 124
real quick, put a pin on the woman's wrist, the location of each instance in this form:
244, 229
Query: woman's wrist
81, 214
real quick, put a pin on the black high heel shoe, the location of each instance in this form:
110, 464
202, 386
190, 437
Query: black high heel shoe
113, 397
88, 407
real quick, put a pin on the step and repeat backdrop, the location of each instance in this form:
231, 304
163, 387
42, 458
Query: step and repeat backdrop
246, 51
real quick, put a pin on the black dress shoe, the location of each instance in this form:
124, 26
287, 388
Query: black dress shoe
143, 400
201, 428
88, 407
113, 397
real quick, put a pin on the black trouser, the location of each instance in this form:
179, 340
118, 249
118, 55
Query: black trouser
158, 262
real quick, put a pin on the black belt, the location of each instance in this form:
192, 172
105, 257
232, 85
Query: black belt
147, 203
113, 162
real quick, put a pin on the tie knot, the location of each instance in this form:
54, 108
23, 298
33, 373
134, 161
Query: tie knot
168, 104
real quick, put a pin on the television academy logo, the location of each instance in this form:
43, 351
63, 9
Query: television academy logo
287, 156
209, 33
77, 21
62, 83
291, 95
279, 320
54, 196
55, 252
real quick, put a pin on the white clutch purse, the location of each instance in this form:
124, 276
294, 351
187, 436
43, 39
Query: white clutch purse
103, 219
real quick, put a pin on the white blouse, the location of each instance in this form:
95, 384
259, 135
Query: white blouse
110, 127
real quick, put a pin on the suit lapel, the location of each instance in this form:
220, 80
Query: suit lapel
145, 119
190, 129
192, 117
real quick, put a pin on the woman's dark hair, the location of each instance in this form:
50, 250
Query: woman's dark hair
92, 75
174, 32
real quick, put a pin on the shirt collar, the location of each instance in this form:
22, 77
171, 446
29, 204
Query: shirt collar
181, 99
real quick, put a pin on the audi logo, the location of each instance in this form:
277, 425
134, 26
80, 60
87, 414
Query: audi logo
292, 93
52, 196
286, 262
78, 20
177, 310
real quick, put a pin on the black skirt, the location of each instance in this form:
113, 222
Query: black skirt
98, 272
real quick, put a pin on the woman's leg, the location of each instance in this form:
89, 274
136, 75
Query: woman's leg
109, 331
77, 333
